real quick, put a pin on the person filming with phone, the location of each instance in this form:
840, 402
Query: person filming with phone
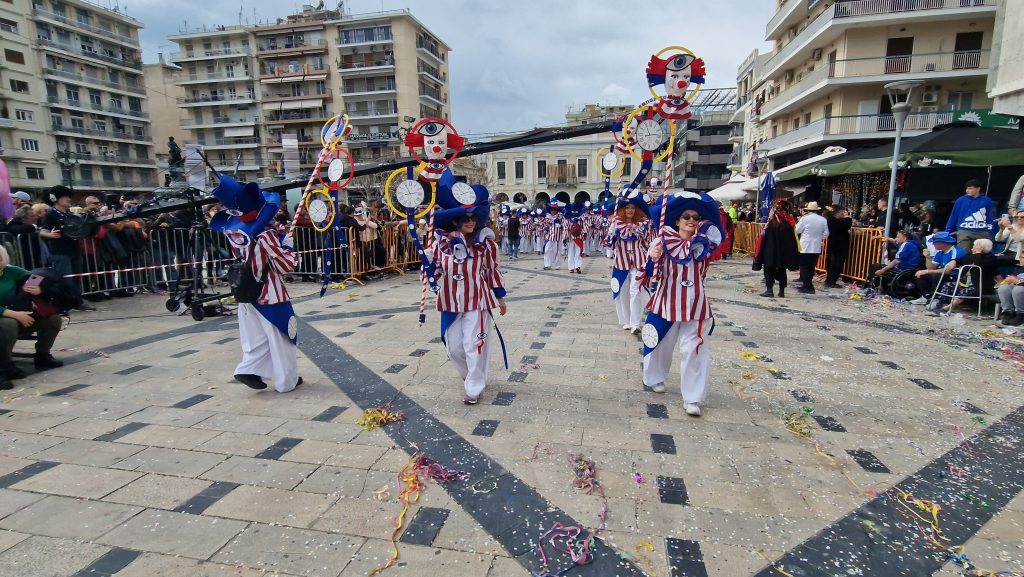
43, 319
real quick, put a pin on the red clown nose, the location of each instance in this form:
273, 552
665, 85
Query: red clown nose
681, 84
436, 149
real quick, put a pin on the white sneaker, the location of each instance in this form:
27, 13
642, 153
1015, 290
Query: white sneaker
626, 327
691, 409
659, 388
634, 330
919, 301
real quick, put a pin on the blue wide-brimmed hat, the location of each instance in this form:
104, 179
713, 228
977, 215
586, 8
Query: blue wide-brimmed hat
452, 210
943, 236
247, 209
683, 200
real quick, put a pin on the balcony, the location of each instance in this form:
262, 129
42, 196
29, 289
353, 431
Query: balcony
218, 122
925, 66
430, 50
142, 137
219, 100
433, 96
108, 109
112, 159
132, 63
125, 183
217, 143
852, 13
104, 33
736, 135
852, 128
367, 66
560, 175
296, 117
6, 123
721, 158
318, 95
430, 72
372, 136
122, 87
293, 74
790, 13
319, 45
703, 183
370, 113
356, 93
215, 77
206, 54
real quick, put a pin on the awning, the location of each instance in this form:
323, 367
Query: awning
294, 104
732, 190
803, 168
236, 131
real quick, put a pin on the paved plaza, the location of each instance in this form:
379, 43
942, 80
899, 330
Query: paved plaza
831, 426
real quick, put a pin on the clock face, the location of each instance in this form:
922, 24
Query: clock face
409, 193
649, 135
464, 193
609, 161
318, 210
336, 170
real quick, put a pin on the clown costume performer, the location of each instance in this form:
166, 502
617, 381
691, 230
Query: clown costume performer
575, 218
556, 236
679, 309
267, 324
629, 239
538, 230
465, 263
502, 220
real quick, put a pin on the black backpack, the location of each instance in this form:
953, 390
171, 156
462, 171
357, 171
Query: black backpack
244, 286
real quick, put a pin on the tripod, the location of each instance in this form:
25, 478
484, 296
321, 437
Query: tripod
192, 294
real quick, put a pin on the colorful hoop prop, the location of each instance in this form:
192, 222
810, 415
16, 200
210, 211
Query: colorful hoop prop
325, 224
394, 206
334, 130
455, 146
696, 89
330, 155
626, 134
599, 162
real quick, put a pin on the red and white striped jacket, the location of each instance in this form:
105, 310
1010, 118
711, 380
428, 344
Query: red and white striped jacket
282, 259
467, 281
556, 228
629, 242
680, 294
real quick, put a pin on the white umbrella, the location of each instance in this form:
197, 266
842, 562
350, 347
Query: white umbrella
731, 190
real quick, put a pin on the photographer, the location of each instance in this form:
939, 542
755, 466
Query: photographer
65, 252
15, 323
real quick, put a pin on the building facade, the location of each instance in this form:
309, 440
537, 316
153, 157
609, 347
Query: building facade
82, 67
163, 93
1006, 83
704, 155
256, 97
823, 83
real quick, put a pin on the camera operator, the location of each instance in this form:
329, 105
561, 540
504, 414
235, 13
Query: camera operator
65, 252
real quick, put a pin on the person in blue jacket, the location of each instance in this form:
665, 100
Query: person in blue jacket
973, 217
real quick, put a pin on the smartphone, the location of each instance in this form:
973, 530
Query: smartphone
34, 280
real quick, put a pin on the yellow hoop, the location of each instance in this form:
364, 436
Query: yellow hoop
337, 141
696, 89
330, 203
629, 147
600, 166
391, 203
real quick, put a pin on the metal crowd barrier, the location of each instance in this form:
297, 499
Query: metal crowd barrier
164, 259
865, 248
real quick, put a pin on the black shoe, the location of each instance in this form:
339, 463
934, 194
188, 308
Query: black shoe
782, 292
1016, 321
298, 382
768, 294
806, 291
47, 362
833, 285
5, 385
251, 381
1006, 317
85, 306
14, 372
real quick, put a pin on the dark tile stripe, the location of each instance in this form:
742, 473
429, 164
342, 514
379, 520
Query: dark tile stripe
121, 431
802, 396
829, 424
868, 461
998, 451
485, 428
970, 408
926, 384
329, 414
278, 449
685, 558
656, 411
504, 399
529, 360
395, 369
517, 377
424, 527
191, 401
110, 563
418, 353
224, 341
131, 370
890, 365
25, 472
663, 444
65, 391
206, 498
672, 491
184, 354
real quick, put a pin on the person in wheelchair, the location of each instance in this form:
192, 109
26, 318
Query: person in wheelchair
971, 284
907, 260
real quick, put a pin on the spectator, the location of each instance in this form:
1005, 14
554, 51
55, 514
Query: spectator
839, 226
973, 283
21, 198
905, 218
307, 243
813, 230
1016, 197
15, 324
943, 261
367, 237
777, 250
1012, 233
908, 257
512, 231
1011, 297
973, 216
23, 228
352, 227
65, 252
40, 209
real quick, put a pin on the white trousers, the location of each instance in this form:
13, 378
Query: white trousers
463, 343
265, 350
629, 306
553, 254
575, 256
538, 244
504, 245
695, 365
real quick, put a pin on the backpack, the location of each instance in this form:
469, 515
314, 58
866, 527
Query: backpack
244, 286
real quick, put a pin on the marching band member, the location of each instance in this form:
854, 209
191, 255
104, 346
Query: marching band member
502, 220
525, 230
538, 230
679, 309
465, 262
267, 324
576, 225
556, 236
629, 239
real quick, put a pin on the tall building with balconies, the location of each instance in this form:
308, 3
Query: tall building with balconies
391, 68
25, 146
91, 66
219, 104
823, 83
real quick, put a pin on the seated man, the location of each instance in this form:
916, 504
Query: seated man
908, 257
973, 282
1011, 297
941, 263
22, 323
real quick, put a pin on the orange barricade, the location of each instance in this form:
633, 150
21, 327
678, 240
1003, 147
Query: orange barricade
745, 237
865, 248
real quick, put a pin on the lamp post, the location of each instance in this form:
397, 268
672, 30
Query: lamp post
901, 98
68, 160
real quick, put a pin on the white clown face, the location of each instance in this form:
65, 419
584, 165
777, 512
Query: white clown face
435, 147
676, 82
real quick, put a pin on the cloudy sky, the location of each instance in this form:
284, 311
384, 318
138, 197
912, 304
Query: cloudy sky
517, 65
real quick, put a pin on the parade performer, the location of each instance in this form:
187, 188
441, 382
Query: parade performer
538, 230
679, 309
629, 238
465, 263
267, 324
575, 217
435, 143
525, 231
556, 235
502, 221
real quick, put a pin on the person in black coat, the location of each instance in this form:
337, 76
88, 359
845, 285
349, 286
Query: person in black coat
839, 226
777, 250
23, 228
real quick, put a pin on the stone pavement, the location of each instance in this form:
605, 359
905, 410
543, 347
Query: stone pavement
142, 458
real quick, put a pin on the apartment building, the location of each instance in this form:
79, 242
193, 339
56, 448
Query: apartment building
750, 94
1006, 82
163, 93
257, 96
78, 92
823, 84
703, 156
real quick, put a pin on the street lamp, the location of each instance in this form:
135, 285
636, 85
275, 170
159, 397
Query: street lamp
68, 160
901, 98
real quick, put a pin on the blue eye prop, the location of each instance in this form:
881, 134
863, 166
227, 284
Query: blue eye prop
431, 129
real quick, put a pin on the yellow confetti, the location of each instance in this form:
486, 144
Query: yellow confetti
601, 376
747, 375
750, 356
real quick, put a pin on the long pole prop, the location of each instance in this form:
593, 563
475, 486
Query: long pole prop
900, 120
309, 187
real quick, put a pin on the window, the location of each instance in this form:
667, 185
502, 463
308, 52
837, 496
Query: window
961, 100
72, 94
95, 100
19, 86
542, 169
34, 173
520, 168
8, 26
501, 171
115, 103
581, 168
56, 120
29, 145
14, 56
81, 147
24, 115
100, 125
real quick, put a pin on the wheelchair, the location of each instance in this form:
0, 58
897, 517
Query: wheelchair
898, 284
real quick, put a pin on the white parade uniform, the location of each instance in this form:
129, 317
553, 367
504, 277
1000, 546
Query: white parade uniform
556, 233
629, 243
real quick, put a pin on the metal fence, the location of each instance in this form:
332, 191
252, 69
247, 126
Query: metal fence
164, 258
865, 248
